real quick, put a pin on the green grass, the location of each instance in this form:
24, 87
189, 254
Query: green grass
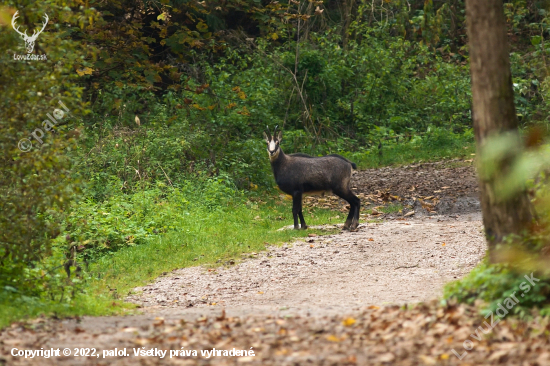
205, 238
430, 148
16, 308
392, 208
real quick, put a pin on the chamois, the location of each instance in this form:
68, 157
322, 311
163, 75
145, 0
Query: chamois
298, 174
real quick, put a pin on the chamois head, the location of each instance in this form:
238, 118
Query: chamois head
273, 142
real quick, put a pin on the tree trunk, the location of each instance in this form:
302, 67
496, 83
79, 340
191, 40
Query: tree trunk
346, 21
494, 113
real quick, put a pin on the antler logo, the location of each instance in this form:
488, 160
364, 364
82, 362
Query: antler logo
29, 41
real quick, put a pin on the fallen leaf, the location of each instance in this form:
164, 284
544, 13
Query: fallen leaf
386, 357
130, 329
12, 342
348, 322
141, 341
428, 360
245, 359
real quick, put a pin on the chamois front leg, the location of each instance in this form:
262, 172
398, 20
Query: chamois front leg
297, 210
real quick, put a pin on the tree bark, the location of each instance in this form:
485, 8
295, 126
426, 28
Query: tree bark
494, 113
346, 21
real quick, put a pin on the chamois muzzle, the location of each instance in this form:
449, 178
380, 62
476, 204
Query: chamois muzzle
272, 141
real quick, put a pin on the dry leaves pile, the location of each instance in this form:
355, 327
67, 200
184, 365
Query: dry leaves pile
423, 335
433, 187
437, 180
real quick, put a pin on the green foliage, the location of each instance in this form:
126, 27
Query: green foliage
494, 283
35, 185
199, 224
524, 254
436, 144
96, 228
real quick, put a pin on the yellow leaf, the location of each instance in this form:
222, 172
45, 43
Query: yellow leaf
348, 322
274, 36
333, 338
84, 71
162, 16
444, 356
202, 27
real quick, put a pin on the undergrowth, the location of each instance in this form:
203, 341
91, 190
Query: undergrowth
500, 285
435, 145
128, 240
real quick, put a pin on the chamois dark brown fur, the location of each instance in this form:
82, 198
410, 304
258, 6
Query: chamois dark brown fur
299, 174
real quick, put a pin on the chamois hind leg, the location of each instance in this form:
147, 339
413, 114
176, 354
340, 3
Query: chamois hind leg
354, 206
355, 220
297, 210
301, 215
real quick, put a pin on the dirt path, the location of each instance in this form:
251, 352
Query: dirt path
311, 302
393, 262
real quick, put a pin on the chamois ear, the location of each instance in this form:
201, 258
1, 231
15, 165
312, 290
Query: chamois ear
266, 138
280, 136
